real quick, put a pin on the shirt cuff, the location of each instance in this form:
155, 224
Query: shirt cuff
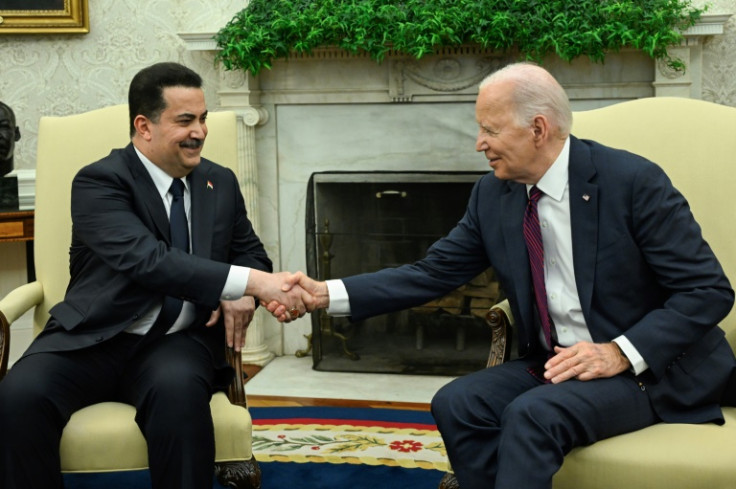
339, 299
638, 365
237, 281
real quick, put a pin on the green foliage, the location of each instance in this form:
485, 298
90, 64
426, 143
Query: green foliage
270, 29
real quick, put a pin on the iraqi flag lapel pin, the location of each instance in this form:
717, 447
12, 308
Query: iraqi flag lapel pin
210, 186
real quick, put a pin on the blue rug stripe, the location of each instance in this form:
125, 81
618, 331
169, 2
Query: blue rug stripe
287, 475
318, 412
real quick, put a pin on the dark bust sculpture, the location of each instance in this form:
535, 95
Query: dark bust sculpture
9, 134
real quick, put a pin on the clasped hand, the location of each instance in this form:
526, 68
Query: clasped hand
282, 290
313, 295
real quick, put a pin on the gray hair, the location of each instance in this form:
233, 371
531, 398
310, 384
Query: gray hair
535, 92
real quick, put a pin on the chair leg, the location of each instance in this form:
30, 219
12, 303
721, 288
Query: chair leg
449, 482
239, 475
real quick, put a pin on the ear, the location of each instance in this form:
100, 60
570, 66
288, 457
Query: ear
540, 129
142, 125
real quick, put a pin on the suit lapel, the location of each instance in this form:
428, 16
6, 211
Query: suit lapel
203, 189
149, 193
584, 220
513, 204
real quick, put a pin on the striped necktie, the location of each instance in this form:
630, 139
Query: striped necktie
535, 247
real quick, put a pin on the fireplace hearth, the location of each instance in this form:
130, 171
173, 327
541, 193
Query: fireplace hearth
360, 222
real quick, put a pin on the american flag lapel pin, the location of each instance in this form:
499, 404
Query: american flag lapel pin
210, 186
586, 197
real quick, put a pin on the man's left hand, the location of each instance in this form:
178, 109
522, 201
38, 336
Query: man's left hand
238, 315
585, 361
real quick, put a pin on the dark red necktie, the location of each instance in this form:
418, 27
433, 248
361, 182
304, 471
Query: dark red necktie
533, 237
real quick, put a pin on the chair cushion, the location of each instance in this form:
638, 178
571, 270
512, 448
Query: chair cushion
675, 456
105, 438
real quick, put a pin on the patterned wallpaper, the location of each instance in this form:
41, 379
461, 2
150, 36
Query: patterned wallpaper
66, 74
719, 58
60, 75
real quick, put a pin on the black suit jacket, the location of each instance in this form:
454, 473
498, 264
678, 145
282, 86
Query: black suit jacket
641, 266
121, 263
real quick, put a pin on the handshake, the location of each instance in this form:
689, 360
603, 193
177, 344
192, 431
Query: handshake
286, 295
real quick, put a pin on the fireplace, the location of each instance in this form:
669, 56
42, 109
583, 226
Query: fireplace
333, 111
360, 222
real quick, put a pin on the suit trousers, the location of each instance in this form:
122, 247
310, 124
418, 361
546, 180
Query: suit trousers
505, 429
168, 380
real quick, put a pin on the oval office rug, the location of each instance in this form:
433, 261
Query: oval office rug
327, 448
356, 448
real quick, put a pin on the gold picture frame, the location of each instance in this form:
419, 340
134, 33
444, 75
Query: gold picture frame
44, 17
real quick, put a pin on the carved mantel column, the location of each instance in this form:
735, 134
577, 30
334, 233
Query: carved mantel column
236, 95
255, 351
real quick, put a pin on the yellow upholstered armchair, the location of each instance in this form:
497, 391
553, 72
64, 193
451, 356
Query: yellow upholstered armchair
695, 143
104, 437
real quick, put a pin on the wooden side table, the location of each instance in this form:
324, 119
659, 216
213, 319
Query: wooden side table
18, 226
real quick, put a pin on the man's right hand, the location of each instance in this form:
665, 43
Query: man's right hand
315, 295
280, 288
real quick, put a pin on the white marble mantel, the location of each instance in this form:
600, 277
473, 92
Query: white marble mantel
333, 111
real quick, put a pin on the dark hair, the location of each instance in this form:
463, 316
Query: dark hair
145, 96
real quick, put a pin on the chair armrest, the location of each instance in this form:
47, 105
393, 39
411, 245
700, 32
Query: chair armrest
13, 306
20, 300
500, 319
236, 390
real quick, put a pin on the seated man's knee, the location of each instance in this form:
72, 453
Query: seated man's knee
453, 401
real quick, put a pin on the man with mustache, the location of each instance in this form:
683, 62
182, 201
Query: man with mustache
164, 268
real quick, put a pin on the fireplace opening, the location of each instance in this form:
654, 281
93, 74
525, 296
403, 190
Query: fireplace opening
361, 222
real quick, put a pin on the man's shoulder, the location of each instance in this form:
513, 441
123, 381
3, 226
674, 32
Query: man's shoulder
114, 162
609, 159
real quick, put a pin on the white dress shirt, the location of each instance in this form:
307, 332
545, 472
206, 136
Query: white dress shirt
237, 278
559, 273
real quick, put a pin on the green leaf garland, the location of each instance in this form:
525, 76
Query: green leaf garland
272, 29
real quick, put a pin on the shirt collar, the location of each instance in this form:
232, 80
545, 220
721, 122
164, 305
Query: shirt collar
160, 178
554, 181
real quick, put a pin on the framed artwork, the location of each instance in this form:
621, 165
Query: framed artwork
44, 17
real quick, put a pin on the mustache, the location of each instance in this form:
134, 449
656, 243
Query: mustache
192, 143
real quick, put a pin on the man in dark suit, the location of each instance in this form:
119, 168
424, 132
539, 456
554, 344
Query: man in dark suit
164, 268
629, 290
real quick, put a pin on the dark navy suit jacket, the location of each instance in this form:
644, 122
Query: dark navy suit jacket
121, 263
642, 269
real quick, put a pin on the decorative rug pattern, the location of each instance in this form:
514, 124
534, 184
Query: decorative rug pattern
388, 437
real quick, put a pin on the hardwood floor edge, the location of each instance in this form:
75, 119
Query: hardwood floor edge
275, 401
